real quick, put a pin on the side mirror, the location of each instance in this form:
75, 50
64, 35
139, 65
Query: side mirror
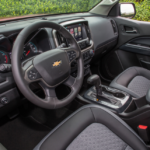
127, 10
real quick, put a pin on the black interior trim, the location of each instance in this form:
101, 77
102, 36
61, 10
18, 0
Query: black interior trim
82, 118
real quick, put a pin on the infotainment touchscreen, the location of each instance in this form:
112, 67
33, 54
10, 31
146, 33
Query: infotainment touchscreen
75, 31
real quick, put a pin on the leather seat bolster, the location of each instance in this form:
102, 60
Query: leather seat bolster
70, 128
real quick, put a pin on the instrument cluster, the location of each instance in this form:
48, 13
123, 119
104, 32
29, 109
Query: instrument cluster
35, 44
30, 50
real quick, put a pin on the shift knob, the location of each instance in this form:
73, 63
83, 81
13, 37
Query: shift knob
94, 80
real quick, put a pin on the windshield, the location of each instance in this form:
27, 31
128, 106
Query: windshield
15, 8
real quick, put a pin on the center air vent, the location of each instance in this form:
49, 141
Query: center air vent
61, 39
114, 26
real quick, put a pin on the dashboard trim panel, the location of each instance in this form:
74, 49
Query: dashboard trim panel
69, 23
72, 22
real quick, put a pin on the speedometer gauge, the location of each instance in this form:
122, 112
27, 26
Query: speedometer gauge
3, 58
30, 50
33, 47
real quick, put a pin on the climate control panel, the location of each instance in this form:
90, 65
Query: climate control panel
88, 54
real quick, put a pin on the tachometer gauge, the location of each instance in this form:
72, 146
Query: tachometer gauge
3, 57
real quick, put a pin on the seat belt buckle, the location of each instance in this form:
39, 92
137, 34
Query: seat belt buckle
143, 132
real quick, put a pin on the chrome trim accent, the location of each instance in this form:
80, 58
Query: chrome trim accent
83, 40
72, 21
88, 48
55, 38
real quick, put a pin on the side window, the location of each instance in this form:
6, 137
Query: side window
142, 9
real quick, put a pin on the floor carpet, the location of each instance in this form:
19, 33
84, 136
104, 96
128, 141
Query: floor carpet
22, 133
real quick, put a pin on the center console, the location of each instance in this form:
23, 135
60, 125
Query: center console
106, 96
80, 30
111, 98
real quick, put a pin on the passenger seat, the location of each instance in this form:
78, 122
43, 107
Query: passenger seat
134, 81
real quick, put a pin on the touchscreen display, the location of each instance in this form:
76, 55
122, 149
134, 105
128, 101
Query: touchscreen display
75, 31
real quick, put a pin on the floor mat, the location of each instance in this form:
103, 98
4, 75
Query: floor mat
50, 118
22, 133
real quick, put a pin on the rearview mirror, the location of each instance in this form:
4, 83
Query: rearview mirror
127, 10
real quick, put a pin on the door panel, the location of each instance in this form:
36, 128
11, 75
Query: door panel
128, 59
139, 45
133, 48
139, 48
142, 28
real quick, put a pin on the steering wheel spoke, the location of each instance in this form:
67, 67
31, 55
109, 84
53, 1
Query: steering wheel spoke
30, 73
49, 92
70, 81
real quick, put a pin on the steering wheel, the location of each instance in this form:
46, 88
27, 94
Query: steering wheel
49, 69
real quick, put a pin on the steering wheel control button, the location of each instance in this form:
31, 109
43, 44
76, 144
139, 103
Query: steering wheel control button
71, 55
33, 74
4, 100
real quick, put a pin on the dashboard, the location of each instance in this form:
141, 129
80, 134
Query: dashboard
94, 34
89, 32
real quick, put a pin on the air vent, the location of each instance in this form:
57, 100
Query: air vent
114, 26
61, 39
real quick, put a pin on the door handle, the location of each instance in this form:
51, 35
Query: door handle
132, 31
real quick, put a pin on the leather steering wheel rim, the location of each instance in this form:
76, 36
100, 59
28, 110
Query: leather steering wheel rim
21, 73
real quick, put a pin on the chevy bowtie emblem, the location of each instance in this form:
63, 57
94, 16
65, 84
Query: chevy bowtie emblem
57, 63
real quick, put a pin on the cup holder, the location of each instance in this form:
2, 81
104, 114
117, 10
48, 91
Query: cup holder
113, 93
119, 95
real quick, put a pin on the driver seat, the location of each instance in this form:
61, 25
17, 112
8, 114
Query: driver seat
92, 128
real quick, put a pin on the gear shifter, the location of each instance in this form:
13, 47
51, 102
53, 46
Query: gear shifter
95, 80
